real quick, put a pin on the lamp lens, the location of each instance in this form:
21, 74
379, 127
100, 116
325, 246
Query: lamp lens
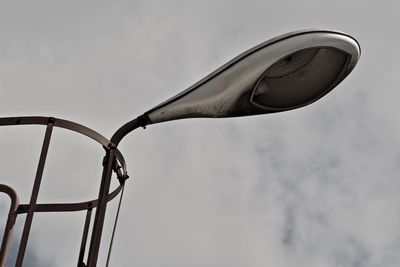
300, 78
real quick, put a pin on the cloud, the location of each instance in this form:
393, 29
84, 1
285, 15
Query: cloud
313, 187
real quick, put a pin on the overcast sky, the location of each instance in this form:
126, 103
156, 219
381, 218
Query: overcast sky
317, 186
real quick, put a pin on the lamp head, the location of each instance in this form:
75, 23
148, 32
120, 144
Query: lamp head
285, 73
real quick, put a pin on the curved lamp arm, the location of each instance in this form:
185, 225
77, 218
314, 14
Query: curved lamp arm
128, 127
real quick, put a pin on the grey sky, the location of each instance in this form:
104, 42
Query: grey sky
308, 188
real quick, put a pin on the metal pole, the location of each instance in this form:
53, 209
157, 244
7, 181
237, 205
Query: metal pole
141, 121
115, 226
101, 207
35, 192
84, 238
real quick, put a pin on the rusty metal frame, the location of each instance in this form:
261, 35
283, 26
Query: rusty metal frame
113, 162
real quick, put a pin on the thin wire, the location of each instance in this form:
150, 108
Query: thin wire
115, 226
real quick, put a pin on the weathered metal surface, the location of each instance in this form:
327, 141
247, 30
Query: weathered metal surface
227, 91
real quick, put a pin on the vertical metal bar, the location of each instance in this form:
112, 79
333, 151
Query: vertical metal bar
12, 215
84, 237
101, 207
34, 195
115, 226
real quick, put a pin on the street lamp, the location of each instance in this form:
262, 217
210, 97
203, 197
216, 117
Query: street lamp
284, 73
287, 72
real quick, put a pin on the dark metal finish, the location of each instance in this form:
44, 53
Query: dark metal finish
34, 195
115, 227
69, 125
101, 208
67, 207
117, 165
104, 187
12, 215
141, 121
84, 238
38, 120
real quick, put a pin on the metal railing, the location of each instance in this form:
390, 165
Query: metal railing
113, 162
